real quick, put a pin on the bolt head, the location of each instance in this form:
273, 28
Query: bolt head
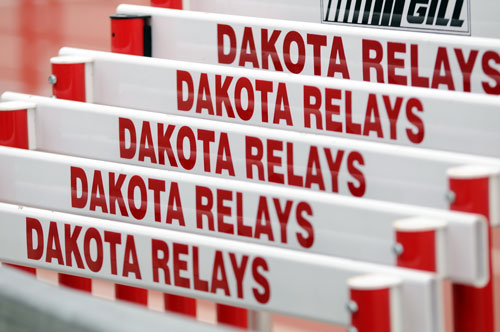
451, 197
352, 306
52, 79
398, 249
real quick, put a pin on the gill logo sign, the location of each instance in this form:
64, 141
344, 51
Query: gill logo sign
445, 16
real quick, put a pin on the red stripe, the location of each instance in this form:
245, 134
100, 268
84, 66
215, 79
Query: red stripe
70, 81
131, 294
234, 316
30, 270
374, 310
473, 307
74, 282
180, 304
419, 250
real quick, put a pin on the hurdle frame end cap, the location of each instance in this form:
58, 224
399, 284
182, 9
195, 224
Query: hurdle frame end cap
7, 106
472, 172
373, 282
419, 224
70, 59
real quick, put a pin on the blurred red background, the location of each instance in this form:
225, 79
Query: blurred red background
33, 31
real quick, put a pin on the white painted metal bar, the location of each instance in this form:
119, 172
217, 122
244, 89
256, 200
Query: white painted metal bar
285, 281
328, 224
233, 151
426, 60
467, 123
475, 18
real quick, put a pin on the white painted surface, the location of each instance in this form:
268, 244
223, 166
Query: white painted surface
467, 123
403, 56
385, 172
315, 287
321, 223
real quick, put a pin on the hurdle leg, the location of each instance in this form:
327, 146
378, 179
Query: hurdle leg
70, 80
17, 130
476, 190
130, 34
420, 244
374, 304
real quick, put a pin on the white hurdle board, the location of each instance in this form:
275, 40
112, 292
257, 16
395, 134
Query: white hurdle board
248, 153
274, 279
321, 223
469, 17
406, 58
467, 123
